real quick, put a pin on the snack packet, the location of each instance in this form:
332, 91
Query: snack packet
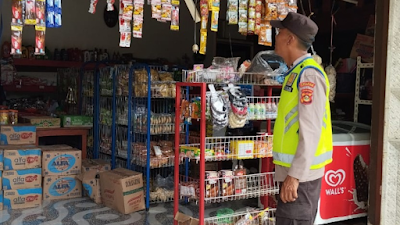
57, 13
214, 20
30, 12
92, 6
16, 39
232, 13
175, 18
40, 39
17, 12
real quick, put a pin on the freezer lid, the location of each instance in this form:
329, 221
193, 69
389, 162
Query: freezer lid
350, 131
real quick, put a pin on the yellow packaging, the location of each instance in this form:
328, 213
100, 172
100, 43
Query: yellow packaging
242, 149
203, 42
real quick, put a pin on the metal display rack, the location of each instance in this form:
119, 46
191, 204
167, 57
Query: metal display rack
125, 96
205, 190
357, 100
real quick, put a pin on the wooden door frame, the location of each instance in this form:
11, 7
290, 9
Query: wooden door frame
378, 110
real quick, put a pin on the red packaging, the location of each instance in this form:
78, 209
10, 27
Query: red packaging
17, 12
344, 189
16, 40
40, 11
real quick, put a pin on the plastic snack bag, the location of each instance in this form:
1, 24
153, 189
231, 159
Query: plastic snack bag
92, 7
166, 12
138, 27
251, 26
175, 18
125, 39
232, 13
17, 12
258, 17
265, 36
156, 9
110, 5
214, 20
40, 40
243, 16
16, 39
57, 13
30, 12
203, 42
50, 13
40, 12
204, 15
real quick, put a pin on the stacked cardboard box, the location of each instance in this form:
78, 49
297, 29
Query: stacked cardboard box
21, 165
122, 189
90, 177
60, 167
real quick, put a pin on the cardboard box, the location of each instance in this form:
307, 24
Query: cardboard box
122, 189
185, 219
61, 162
98, 165
22, 179
54, 147
43, 121
76, 121
1, 181
363, 46
17, 134
61, 187
20, 157
23, 198
91, 185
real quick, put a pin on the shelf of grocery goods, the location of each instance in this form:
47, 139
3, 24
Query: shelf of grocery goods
46, 63
29, 88
250, 216
227, 185
230, 148
222, 77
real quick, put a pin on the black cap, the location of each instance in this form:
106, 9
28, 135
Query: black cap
301, 26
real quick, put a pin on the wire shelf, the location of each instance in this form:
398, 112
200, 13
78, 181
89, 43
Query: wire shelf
225, 186
262, 108
216, 76
249, 217
230, 148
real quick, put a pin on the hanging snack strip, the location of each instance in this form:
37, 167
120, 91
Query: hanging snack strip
283, 9
110, 5
243, 16
251, 24
214, 15
265, 35
18, 12
175, 15
16, 39
40, 39
30, 13
50, 13
232, 13
204, 12
125, 27
138, 19
57, 13
156, 9
166, 10
258, 16
40, 12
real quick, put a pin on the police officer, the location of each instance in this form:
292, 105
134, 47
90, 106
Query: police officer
302, 131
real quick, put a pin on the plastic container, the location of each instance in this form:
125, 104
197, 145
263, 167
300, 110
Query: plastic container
225, 220
4, 117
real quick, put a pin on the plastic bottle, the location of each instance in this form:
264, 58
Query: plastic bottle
250, 110
268, 111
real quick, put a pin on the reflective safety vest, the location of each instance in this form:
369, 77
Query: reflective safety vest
286, 129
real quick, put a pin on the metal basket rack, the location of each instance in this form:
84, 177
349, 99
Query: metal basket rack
217, 188
248, 217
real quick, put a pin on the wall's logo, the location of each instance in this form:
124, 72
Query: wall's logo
335, 178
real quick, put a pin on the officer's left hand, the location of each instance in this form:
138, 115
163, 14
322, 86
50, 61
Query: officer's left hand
289, 188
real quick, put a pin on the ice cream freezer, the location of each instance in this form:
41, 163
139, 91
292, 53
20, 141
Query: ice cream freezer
344, 190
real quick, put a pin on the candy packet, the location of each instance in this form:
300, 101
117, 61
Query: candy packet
243, 16
203, 42
124, 25
50, 13
16, 39
127, 9
92, 6
57, 13
125, 39
214, 20
156, 9
40, 39
175, 18
265, 36
110, 5
138, 27
204, 15
17, 11
30, 12
166, 12
232, 13
40, 12
258, 17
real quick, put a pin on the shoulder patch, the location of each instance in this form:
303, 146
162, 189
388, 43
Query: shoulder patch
306, 96
307, 84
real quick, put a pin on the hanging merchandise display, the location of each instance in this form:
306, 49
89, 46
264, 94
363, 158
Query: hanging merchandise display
251, 25
204, 13
92, 7
40, 39
232, 13
243, 16
16, 39
18, 12
166, 9
125, 18
138, 18
215, 6
30, 12
258, 17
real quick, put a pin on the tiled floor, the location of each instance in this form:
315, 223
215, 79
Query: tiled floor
83, 211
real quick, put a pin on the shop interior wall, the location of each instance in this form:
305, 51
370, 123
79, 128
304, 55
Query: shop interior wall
86, 31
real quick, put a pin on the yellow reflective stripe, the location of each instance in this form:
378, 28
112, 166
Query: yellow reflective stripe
291, 123
291, 113
288, 158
